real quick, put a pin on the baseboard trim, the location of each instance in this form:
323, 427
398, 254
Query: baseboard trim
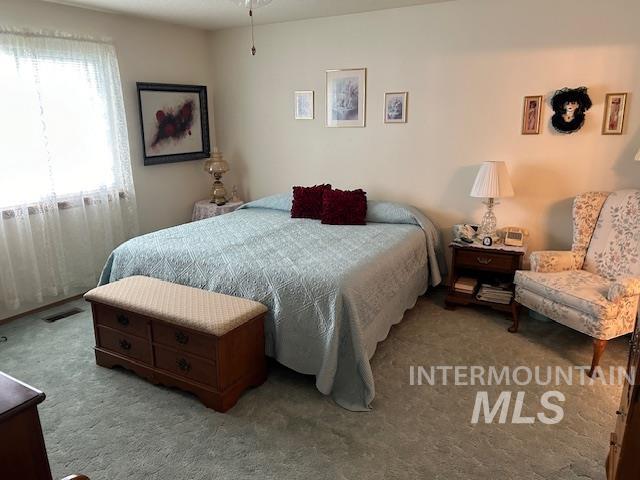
4, 321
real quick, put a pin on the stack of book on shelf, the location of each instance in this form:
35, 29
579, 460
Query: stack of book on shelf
466, 285
501, 293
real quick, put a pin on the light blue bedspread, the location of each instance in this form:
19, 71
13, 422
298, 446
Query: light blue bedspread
333, 292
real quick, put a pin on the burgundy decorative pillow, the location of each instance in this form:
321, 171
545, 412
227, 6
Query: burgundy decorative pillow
344, 207
307, 201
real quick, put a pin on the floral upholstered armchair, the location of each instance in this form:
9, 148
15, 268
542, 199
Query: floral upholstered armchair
594, 288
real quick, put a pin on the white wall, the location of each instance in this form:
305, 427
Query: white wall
467, 66
148, 51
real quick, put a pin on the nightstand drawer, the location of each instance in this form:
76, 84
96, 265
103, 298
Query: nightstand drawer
481, 260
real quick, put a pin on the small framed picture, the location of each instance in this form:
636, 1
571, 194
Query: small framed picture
346, 97
395, 107
614, 110
304, 105
531, 115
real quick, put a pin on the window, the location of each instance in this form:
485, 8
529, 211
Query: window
62, 133
66, 190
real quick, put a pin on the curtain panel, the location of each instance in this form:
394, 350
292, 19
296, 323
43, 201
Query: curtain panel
66, 190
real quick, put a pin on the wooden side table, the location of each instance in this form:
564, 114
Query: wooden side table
485, 264
23, 454
205, 209
22, 451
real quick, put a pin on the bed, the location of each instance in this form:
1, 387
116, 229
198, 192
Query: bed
333, 292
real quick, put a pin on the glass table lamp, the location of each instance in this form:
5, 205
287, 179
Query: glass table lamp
491, 182
215, 167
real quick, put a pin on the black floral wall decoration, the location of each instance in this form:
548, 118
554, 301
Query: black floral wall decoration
569, 107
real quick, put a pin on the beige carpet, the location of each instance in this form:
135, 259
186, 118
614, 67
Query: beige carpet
111, 425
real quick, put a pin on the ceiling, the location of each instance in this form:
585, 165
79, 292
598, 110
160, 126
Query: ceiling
216, 14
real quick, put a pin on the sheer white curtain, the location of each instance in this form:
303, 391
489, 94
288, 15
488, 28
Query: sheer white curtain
66, 190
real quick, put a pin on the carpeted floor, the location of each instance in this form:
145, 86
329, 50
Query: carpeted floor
109, 424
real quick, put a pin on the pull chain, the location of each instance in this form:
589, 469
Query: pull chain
253, 42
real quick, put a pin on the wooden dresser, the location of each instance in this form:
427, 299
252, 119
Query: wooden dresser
22, 451
23, 454
216, 369
623, 462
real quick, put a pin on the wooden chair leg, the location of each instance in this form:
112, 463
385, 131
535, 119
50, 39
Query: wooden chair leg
598, 350
515, 315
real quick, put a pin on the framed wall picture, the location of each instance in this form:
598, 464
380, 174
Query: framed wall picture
346, 97
304, 105
614, 113
395, 107
531, 115
174, 121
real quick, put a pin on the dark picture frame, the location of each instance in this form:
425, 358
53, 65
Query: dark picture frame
174, 122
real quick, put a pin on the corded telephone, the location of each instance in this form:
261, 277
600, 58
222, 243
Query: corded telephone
514, 236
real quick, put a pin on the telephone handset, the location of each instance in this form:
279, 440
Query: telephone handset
465, 232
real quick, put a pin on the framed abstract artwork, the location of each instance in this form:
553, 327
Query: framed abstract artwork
614, 113
395, 107
346, 97
531, 115
304, 105
174, 121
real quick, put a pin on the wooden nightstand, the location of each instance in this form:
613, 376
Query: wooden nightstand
487, 265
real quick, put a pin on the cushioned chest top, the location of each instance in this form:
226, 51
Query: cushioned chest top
190, 307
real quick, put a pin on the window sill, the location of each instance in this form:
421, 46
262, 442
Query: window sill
36, 208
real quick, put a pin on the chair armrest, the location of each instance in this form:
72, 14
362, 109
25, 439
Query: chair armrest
624, 287
554, 261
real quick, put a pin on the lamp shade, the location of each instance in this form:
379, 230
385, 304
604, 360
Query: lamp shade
638, 156
492, 181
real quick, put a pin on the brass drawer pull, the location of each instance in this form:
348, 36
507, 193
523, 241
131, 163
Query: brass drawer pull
125, 345
484, 260
184, 365
182, 338
123, 320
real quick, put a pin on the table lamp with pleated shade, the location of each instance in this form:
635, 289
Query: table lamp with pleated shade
491, 182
